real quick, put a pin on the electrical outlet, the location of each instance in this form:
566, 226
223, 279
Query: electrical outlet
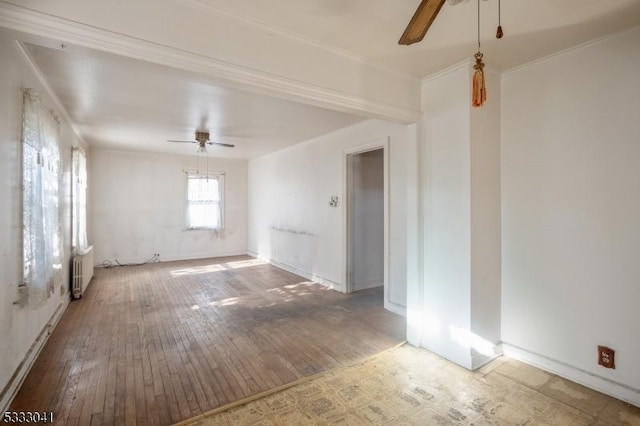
606, 357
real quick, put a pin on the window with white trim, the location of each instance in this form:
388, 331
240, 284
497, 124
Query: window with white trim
204, 201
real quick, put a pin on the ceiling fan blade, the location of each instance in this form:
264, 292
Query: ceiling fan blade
226, 145
182, 141
421, 21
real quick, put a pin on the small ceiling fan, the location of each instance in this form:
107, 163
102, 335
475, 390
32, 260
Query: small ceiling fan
202, 139
422, 19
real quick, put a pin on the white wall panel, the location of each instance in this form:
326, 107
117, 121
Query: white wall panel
290, 220
137, 207
571, 208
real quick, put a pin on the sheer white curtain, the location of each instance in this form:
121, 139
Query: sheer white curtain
42, 236
204, 201
79, 191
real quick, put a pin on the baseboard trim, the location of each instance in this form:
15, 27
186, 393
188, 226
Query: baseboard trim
195, 256
449, 351
175, 258
15, 382
479, 360
601, 384
295, 270
366, 285
395, 308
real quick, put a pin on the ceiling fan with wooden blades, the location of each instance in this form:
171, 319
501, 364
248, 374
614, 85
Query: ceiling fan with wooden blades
422, 19
202, 139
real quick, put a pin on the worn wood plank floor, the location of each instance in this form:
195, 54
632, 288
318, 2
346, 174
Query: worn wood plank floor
164, 342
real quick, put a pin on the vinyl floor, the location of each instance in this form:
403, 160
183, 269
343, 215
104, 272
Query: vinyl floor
409, 386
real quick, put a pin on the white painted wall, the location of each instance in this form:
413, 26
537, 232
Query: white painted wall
21, 326
137, 207
291, 222
571, 209
367, 216
460, 315
447, 213
485, 214
415, 233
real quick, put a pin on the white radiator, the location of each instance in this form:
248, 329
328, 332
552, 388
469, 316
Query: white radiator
82, 271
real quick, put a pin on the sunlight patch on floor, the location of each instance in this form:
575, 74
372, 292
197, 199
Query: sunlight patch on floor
205, 269
196, 270
226, 302
244, 263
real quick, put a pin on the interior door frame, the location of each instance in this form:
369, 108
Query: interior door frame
347, 182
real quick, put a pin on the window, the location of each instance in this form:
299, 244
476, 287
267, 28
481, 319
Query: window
204, 201
42, 235
79, 194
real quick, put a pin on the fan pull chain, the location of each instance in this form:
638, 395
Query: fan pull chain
499, 32
478, 25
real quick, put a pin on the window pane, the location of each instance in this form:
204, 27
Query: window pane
202, 189
31, 179
204, 216
79, 191
203, 202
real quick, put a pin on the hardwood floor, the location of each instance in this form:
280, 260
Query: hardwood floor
163, 342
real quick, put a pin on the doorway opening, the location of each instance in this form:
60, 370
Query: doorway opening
366, 219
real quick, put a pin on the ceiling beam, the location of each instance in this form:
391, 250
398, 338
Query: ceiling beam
365, 97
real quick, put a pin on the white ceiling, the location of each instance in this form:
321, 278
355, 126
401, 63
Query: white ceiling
123, 103
370, 29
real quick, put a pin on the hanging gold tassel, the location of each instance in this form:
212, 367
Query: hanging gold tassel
479, 95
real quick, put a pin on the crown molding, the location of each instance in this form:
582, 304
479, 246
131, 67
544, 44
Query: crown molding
465, 63
36, 23
330, 134
568, 50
